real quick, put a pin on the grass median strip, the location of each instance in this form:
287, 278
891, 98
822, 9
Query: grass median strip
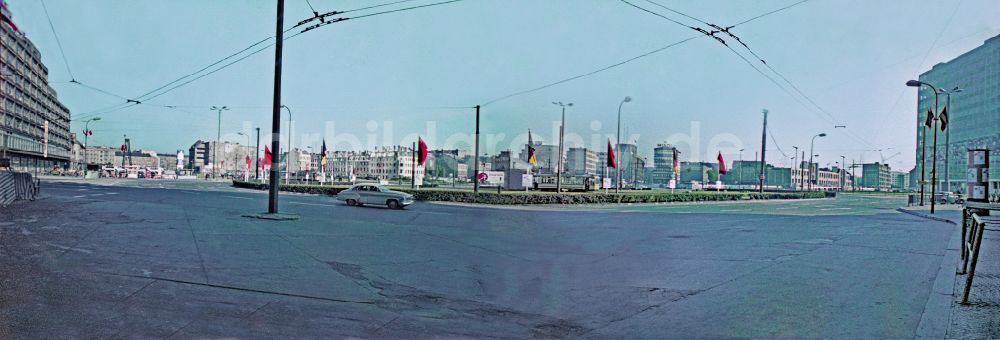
545, 197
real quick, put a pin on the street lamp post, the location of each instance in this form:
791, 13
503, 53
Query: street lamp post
256, 157
248, 155
795, 157
740, 173
618, 142
562, 133
86, 134
923, 145
811, 144
218, 136
947, 139
288, 165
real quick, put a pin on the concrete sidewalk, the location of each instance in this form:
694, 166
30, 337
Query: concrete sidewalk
979, 318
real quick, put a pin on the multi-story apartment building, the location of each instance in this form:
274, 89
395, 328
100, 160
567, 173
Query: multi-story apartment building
34, 125
387, 163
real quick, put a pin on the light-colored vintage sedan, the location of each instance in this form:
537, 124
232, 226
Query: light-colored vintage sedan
361, 194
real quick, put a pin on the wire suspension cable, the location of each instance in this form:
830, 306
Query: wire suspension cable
58, 43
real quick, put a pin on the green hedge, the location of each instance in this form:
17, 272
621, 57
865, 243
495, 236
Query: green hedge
517, 197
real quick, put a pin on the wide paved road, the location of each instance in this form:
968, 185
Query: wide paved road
117, 260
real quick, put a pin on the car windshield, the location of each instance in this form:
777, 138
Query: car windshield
574, 169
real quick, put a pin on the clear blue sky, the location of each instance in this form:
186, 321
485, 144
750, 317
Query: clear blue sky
850, 56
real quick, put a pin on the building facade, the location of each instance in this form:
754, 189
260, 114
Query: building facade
974, 115
876, 176
582, 162
34, 125
231, 157
666, 165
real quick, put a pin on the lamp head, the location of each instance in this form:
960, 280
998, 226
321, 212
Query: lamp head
627, 99
914, 83
822, 135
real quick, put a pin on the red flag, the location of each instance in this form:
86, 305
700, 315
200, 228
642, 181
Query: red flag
612, 163
421, 151
929, 122
722, 165
267, 155
248, 161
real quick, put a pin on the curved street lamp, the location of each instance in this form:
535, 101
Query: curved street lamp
562, 132
811, 144
218, 136
86, 134
618, 142
923, 144
288, 167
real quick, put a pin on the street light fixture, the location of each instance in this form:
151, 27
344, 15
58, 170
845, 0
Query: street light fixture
218, 136
248, 154
947, 138
288, 167
811, 144
795, 157
923, 145
618, 142
562, 133
86, 134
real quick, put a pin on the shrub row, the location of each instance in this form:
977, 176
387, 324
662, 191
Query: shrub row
484, 197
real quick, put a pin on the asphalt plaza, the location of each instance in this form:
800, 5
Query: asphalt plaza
179, 260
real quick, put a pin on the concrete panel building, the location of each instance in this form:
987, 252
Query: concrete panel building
34, 125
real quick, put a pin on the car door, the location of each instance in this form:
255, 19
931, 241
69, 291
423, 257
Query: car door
371, 195
377, 195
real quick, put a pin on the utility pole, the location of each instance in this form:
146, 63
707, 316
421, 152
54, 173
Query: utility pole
763, 150
475, 166
272, 204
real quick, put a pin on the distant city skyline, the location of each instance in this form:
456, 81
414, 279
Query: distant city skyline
413, 68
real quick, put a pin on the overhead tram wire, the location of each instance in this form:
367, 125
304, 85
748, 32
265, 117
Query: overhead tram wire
718, 29
199, 73
587, 74
324, 22
639, 56
726, 30
149, 95
58, 42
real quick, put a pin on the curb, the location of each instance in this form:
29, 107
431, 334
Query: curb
936, 317
929, 217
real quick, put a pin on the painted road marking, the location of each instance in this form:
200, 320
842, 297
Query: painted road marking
242, 198
728, 210
320, 205
827, 209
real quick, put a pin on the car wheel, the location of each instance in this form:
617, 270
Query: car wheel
352, 202
393, 204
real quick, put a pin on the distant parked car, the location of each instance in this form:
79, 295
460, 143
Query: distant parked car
362, 194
